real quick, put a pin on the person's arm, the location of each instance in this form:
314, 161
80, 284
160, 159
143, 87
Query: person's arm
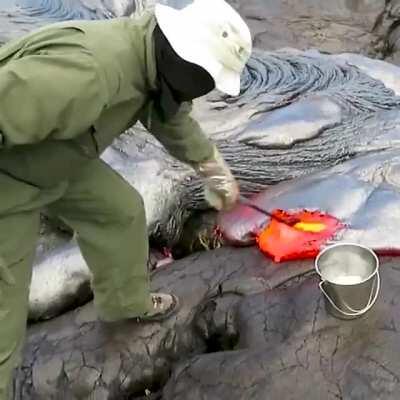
181, 135
53, 95
184, 139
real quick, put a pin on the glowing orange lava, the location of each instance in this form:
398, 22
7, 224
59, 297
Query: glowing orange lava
303, 240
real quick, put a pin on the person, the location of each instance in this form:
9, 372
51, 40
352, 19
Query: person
67, 90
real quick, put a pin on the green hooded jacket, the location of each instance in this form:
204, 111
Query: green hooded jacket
84, 83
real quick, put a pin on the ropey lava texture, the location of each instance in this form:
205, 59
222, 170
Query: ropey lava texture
362, 193
297, 113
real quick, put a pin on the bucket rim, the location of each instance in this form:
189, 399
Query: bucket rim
376, 269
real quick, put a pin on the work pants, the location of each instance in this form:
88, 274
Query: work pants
108, 217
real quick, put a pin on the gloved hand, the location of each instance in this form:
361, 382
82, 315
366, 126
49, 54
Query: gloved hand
221, 189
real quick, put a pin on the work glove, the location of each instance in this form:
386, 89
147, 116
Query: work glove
221, 189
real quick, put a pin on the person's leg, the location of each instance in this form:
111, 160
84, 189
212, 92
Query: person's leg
18, 234
19, 228
108, 217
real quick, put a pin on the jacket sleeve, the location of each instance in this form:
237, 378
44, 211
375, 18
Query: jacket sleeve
49, 95
181, 135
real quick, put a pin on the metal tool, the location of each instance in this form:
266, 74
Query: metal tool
290, 220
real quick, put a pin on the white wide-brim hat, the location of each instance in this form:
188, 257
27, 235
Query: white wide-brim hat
211, 34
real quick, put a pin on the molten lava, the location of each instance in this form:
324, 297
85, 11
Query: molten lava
303, 240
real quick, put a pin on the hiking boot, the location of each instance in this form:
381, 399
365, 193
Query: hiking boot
164, 305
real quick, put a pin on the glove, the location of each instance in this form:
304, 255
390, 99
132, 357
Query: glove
221, 189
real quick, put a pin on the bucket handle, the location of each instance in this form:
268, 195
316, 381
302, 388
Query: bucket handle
371, 301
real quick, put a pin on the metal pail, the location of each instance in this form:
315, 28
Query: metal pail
350, 279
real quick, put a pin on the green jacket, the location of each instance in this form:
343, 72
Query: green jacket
86, 82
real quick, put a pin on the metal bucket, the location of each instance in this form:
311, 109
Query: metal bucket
350, 279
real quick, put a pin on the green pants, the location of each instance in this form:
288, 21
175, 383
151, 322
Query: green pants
108, 217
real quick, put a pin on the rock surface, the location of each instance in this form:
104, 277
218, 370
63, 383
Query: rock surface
369, 27
364, 26
76, 356
246, 329
334, 26
290, 348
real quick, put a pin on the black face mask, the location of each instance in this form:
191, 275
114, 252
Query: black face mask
179, 80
